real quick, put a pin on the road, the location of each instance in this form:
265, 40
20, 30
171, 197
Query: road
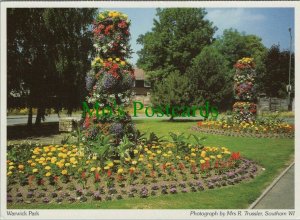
22, 119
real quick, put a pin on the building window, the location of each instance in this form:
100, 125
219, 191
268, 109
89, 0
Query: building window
147, 83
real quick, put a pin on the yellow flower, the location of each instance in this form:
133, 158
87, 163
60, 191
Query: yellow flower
123, 63
64, 172
127, 159
50, 154
48, 174
33, 164
11, 167
158, 152
169, 152
212, 157
47, 168
120, 170
110, 164
11, 163
165, 155
140, 159
193, 150
106, 167
134, 162
9, 173
93, 169
193, 154
110, 59
178, 157
203, 153
219, 156
151, 158
72, 159
117, 59
192, 161
149, 165
94, 158
35, 170
98, 168
67, 164
202, 161
206, 158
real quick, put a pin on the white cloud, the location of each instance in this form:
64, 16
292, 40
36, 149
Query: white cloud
238, 18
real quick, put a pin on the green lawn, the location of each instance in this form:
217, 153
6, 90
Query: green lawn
272, 154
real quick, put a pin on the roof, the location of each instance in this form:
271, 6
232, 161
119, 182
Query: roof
139, 74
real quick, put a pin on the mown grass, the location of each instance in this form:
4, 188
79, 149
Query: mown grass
272, 154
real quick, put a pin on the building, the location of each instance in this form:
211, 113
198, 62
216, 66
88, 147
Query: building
141, 88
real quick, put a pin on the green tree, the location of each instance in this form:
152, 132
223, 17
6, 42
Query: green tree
210, 79
48, 54
173, 91
277, 69
178, 35
235, 45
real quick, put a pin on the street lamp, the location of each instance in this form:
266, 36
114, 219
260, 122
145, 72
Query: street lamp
289, 86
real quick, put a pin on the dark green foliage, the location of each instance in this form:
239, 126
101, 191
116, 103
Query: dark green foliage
277, 72
173, 91
177, 37
48, 54
210, 79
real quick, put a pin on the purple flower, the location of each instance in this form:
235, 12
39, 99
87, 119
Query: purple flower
117, 129
97, 196
231, 175
109, 82
89, 82
155, 187
30, 194
144, 192
45, 200
210, 185
9, 199
184, 190
173, 190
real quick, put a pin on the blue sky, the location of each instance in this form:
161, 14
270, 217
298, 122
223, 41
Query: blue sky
270, 24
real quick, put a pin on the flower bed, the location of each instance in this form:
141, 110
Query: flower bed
252, 129
66, 173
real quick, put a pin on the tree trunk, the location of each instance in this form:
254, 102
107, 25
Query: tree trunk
29, 121
40, 115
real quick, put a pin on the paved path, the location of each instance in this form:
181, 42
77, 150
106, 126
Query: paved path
22, 119
282, 194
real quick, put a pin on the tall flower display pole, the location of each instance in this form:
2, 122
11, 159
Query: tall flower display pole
110, 80
244, 109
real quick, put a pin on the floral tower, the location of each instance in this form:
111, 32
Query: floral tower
110, 80
244, 88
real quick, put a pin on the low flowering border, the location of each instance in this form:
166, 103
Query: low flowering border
230, 132
63, 174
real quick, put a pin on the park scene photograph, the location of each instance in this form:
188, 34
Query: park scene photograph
150, 108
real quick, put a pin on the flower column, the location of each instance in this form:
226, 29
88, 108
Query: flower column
244, 87
111, 78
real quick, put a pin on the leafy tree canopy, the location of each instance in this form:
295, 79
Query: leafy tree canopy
178, 35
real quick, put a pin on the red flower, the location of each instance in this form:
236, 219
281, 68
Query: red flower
199, 123
109, 173
83, 175
235, 155
87, 121
122, 24
181, 166
97, 176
